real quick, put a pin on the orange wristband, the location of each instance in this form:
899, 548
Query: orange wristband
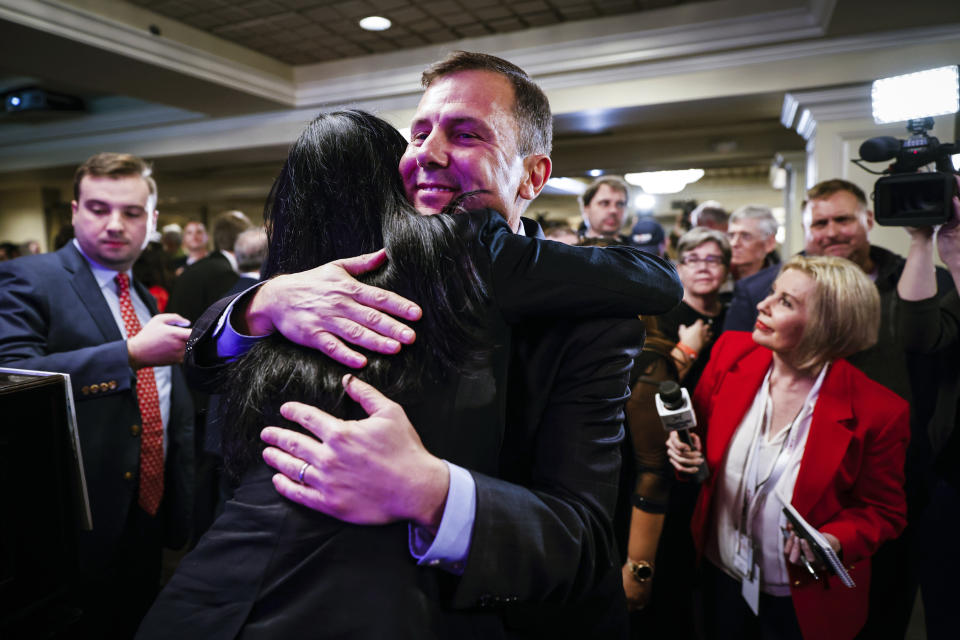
687, 349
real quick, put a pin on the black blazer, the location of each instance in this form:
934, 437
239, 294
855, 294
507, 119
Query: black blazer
546, 468
53, 318
747, 294
200, 285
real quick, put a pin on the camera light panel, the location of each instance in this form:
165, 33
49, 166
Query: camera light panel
923, 94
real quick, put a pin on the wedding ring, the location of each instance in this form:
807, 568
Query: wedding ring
303, 470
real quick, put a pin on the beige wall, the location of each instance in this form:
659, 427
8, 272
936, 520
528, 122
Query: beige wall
21, 217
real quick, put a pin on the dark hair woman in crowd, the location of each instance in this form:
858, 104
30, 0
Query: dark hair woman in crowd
272, 568
785, 417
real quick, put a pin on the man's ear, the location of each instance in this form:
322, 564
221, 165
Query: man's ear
73, 210
537, 167
771, 243
869, 219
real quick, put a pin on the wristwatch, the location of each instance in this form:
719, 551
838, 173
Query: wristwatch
641, 571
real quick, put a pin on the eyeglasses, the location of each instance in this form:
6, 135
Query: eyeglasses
710, 261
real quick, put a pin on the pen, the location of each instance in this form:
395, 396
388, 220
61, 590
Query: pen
803, 556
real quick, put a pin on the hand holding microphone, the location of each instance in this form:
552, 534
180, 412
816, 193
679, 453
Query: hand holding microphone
676, 415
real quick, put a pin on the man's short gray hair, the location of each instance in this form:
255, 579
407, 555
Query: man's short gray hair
250, 249
766, 223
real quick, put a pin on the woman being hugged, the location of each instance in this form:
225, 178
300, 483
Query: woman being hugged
784, 415
271, 568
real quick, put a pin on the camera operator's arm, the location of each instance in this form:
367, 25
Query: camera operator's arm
918, 280
928, 322
948, 240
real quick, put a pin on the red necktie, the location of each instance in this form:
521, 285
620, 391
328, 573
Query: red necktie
151, 436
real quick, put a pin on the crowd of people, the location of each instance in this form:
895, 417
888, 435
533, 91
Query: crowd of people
414, 413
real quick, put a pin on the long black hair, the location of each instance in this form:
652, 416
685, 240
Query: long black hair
339, 195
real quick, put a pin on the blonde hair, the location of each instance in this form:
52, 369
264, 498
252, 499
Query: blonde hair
843, 314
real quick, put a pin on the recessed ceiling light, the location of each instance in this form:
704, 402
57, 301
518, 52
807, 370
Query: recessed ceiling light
375, 23
593, 173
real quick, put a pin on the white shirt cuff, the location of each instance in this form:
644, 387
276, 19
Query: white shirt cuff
448, 550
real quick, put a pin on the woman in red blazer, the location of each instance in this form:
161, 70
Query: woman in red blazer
784, 415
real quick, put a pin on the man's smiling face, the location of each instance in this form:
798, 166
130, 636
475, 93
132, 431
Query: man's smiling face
837, 225
464, 138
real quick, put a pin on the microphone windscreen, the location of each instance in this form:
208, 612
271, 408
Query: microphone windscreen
880, 149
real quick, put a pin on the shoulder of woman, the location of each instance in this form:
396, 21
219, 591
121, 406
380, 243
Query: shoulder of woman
867, 394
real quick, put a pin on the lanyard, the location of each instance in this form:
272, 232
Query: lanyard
753, 490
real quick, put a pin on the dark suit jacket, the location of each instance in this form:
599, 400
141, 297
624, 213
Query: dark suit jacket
268, 568
53, 318
747, 294
200, 285
851, 475
546, 471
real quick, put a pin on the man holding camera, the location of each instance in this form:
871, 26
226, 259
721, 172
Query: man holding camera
932, 326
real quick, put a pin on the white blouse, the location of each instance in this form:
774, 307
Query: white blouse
752, 459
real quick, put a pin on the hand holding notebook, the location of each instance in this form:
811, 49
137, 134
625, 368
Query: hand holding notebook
820, 546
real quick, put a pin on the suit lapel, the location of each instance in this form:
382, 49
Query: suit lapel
89, 292
734, 397
830, 432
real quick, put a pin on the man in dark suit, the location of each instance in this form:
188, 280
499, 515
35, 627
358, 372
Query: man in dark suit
200, 285
210, 278
77, 311
534, 526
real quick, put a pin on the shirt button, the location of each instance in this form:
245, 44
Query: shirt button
94, 388
104, 386
796, 583
85, 391
113, 384
135, 430
128, 475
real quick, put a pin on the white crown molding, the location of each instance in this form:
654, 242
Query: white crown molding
802, 110
220, 134
575, 53
371, 83
764, 54
95, 123
74, 23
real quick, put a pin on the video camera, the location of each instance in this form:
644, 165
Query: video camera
904, 196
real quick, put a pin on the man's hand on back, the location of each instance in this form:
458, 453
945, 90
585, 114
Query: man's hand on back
326, 306
369, 471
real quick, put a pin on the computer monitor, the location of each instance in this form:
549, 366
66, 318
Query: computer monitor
43, 494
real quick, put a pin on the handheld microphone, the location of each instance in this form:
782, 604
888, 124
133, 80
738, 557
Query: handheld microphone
676, 414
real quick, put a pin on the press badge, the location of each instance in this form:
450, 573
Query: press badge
743, 561
750, 589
